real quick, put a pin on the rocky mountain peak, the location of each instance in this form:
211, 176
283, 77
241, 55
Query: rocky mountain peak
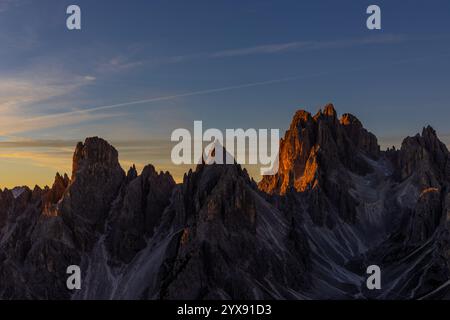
132, 173
54, 194
330, 111
301, 117
138, 212
428, 131
225, 227
347, 119
361, 138
94, 152
425, 157
315, 145
210, 184
96, 180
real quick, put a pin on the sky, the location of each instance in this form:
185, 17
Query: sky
139, 69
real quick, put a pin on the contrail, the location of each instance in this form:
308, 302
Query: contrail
222, 89
170, 97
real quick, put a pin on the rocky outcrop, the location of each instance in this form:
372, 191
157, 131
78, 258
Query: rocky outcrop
427, 215
425, 157
313, 145
54, 195
35, 250
362, 139
6, 200
422, 163
49, 229
316, 156
138, 211
96, 179
231, 243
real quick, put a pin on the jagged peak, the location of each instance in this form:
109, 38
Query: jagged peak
227, 158
132, 173
391, 149
61, 178
427, 138
54, 194
326, 113
208, 171
301, 116
149, 170
94, 150
93, 143
426, 156
350, 119
340, 141
428, 131
329, 110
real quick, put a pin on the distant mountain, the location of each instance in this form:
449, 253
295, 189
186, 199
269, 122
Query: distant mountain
337, 205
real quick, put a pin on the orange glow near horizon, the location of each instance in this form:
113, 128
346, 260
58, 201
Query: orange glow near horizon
32, 164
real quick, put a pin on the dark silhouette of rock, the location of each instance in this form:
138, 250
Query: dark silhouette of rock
96, 180
51, 198
363, 140
6, 200
231, 243
426, 157
138, 211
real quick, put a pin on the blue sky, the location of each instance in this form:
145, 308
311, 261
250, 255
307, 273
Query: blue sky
229, 63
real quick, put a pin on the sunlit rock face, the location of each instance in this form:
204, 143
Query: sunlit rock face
318, 155
382, 205
320, 143
337, 205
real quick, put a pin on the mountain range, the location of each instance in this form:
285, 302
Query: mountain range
337, 205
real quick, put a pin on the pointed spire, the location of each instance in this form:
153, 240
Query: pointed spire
428, 131
329, 110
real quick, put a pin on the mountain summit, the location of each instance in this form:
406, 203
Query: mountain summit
315, 144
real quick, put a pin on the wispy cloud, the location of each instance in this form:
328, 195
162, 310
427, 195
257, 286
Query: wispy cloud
123, 62
263, 49
16, 93
15, 124
299, 46
274, 48
143, 144
79, 113
90, 78
118, 63
48, 159
20, 124
20, 93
